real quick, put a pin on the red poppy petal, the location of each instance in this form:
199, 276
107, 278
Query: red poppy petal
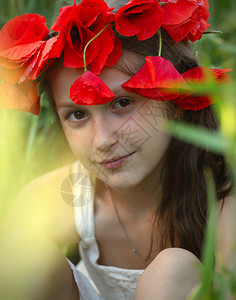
20, 97
91, 11
106, 39
11, 64
157, 72
201, 76
43, 60
154, 93
21, 52
157, 79
204, 74
179, 12
77, 25
193, 102
164, 74
89, 89
116, 53
65, 13
73, 55
58, 46
22, 30
186, 20
11, 76
131, 19
179, 33
30, 66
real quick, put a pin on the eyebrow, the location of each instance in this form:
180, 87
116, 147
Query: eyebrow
68, 105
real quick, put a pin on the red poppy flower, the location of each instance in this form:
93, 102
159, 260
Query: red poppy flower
77, 25
20, 39
157, 79
142, 18
42, 59
23, 51
22, 97
89, 89
201, 76
27, 29
24, 54
186, 19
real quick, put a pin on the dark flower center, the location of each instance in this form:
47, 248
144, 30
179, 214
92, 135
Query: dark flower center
74, 33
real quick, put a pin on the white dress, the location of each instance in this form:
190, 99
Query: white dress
96, 281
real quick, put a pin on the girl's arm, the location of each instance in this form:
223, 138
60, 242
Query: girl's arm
40, 207
226, 233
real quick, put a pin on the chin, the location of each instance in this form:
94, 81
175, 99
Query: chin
122, 183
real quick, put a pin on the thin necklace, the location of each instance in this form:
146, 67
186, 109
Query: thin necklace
134, 250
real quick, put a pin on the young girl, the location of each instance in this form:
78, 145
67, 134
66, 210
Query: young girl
139, 200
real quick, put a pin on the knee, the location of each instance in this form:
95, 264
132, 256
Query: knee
177, 261
174, 273
32, 267
26, 250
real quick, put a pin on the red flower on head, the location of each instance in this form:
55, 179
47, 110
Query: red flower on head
89, 89
24, 54
186, 19
201, 76
157, 80
22, 42
142, 18
22, 30
77, 25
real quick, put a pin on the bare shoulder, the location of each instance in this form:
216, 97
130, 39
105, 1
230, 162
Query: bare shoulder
40, 206
48, 183
226, 229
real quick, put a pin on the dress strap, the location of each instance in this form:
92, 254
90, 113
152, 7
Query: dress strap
83, 191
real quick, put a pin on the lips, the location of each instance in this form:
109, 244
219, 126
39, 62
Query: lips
116, 162
114, 158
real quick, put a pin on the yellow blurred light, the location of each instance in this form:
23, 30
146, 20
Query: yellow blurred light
228, 120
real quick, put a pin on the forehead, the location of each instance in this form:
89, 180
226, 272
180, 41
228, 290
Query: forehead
61, 78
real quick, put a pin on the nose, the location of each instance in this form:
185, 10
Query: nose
104, 134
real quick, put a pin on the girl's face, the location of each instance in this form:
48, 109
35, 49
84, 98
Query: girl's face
121, 142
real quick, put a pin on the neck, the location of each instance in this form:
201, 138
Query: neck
140, 200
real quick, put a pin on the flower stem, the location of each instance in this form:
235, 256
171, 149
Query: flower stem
160, 42
85, 48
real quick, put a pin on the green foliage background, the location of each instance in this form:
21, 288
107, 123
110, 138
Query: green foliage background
31, 145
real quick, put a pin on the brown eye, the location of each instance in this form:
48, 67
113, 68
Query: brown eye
77, 115
122, 103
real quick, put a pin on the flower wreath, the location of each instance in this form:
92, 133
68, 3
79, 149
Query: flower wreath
86, 37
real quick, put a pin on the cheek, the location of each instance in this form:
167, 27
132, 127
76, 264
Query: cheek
77, 142
153, 121
155, 113
160, 144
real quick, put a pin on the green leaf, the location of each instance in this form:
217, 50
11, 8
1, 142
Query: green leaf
41, 86
208, 259
205, 290
212, 141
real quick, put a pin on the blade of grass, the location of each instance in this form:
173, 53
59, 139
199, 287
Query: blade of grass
213, 141
205, 290
208, 257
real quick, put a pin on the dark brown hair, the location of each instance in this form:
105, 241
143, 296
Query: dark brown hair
182, 211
